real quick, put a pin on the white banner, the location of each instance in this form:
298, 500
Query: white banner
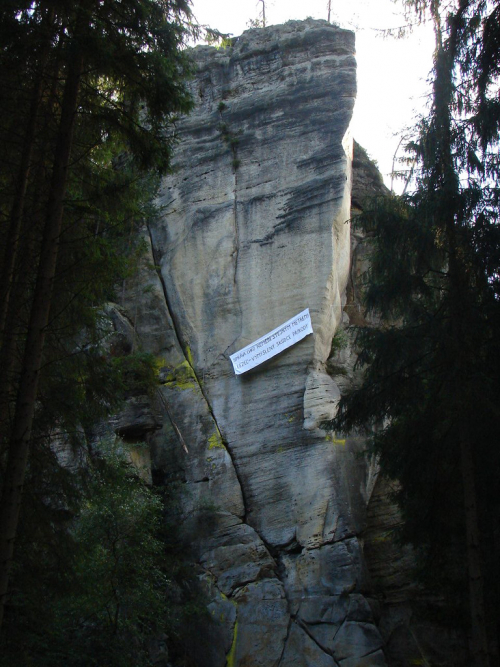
272, 343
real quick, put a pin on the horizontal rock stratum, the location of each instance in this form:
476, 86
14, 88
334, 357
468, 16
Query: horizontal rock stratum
255, 229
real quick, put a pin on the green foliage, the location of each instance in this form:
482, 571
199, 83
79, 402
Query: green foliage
136, 373
339, 341
219, 39
131, 88
255, 23
226, 42
101, 586
90, 96
101, 575
432, 364
119, 588
232, 140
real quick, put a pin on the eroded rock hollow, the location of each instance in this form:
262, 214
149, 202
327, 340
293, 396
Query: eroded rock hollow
254, 229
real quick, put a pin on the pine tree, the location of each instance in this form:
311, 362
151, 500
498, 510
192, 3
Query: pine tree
430, 388
91, 585
90, 80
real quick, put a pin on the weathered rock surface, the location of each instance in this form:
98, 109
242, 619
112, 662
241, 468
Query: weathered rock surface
254, 229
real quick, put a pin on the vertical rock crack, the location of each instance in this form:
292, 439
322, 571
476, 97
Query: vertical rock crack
183, 347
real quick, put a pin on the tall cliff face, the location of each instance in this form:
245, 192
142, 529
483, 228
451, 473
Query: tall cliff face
255, 229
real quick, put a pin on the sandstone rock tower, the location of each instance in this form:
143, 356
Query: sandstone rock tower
254, 229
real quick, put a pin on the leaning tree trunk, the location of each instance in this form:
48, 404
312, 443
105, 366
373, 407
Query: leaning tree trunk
26, 397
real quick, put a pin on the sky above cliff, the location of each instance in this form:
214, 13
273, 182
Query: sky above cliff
392, 73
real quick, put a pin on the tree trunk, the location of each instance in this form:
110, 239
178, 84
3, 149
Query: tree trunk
27, 392
16, 215
450, 212
28, 255
463, 354
479, 643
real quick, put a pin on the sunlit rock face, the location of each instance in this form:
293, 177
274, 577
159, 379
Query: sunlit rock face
254, 229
